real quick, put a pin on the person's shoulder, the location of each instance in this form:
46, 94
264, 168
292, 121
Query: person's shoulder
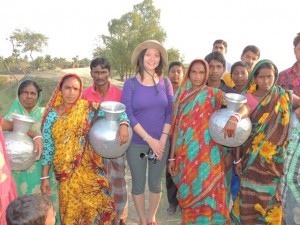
283, 72
115, 88
88, 89
226, 76
129, 80
212, 90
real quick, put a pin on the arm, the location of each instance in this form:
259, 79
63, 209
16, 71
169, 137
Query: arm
231, 125
123, 133
296, 103
171, 165
6, 125
167, 126
48, 155
238, 162
38, 143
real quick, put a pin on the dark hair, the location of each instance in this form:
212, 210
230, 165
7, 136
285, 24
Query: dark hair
26, 83
252, 48
28, 210
216, 56
197, 61
239, 63
175, 63
100, 61
220, 41
296, 40
266, 65
141, 67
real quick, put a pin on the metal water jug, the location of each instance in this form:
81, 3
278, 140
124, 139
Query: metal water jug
103, 133
19, 146
220, 117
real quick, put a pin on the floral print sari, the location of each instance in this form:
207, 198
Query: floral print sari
263, 156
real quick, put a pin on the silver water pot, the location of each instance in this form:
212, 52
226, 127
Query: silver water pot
19, 146
220, 117
103, 133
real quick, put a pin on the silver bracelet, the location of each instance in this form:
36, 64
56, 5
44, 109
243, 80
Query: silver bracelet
37, 137
236, 162
124, 123
43, 178
171, 159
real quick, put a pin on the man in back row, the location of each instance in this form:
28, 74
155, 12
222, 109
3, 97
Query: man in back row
114, 169
221, 46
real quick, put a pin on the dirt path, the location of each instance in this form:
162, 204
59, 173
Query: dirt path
162, 216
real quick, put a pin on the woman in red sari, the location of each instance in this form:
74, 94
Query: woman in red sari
196, 161
8, 191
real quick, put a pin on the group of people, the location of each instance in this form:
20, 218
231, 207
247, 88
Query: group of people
255, 183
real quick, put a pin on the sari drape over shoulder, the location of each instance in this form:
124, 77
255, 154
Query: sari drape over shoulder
262, 157
199, 164
8, 191
83, 191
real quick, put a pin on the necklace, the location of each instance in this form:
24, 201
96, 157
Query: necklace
153, 79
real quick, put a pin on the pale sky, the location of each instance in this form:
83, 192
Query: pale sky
191, 25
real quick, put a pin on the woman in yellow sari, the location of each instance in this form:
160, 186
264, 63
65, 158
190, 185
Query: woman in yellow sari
83, 189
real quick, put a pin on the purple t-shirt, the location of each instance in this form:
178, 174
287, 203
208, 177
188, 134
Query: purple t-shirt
147, 107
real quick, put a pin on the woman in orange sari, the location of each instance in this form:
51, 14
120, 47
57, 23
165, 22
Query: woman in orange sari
83, 189
196, 162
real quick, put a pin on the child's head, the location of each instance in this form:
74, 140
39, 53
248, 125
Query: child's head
31, 210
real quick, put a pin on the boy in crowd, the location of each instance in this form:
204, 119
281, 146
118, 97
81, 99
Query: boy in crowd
175, 74
250, 56
31, 209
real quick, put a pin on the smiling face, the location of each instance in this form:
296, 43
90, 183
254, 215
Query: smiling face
28, 97
197, 75
70, 90
151, 59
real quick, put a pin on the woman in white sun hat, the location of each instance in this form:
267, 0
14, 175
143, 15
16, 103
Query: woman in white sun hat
148, 98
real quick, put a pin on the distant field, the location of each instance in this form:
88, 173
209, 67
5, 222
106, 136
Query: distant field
46, 79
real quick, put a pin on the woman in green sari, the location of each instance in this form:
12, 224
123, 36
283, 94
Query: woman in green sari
27, 103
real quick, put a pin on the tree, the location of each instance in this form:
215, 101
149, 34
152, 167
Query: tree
126, 33
27, 41
174, 55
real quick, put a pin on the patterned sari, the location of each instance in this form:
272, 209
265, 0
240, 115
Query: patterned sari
199, 165
83, 189
262, 157
8, 190
28, 181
